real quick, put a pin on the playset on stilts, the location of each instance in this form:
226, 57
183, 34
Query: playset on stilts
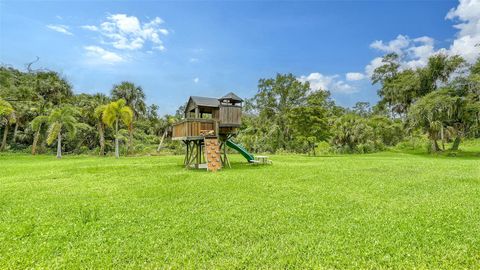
208, 127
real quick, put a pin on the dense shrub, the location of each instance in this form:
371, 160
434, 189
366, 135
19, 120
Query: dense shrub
353, 133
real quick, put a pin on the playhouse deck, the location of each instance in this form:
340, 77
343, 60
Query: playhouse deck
195, 129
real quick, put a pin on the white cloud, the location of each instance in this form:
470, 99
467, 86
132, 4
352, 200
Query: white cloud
342, 87
319, 81
412, 52
159, 47
127, 32
393, 46
468, 14
97, 53
196, 80
193, 60
415, 52
89, 27
375, 63
60, 28
355, 76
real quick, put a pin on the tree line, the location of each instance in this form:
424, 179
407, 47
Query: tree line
38, 108
439, 102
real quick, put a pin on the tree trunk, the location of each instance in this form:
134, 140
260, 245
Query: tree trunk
4, 140
59, 145
102, 139
435, 147
117, 154
130, 139
161, 140
35, 141
456, 143
130, 142
313, 149
443, 139
15, 130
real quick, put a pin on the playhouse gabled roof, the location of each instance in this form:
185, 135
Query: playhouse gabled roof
205, 101
232, 96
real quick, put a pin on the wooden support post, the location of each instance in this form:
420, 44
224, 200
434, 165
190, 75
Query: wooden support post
199, 153
185, 160
193, 154
225, 157
222, 159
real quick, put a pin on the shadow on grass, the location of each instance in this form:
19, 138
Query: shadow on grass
446, 154
235, 165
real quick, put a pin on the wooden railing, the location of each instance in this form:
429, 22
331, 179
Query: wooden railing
195, 127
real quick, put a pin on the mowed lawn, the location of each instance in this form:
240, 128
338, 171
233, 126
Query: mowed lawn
386, 210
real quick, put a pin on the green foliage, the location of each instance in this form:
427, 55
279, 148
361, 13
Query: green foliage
133, 95
440, 98
114, 113
6, 110
51, 89
117, 111
444, 114
323, 148
53, 131
275, 100
285, 115
388, 70
353, 133
310, 122
401, 88
389, 132
62, 120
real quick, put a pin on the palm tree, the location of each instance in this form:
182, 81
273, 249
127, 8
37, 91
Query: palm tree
165, 126
115, 112
133, 96
61, 120
436, 112
135, 99
101, 127
91, 116
7, 117
37, 124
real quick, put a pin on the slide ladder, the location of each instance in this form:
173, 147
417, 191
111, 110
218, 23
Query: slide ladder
249, 157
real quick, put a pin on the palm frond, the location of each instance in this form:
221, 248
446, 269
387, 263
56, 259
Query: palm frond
53, 132
38, 122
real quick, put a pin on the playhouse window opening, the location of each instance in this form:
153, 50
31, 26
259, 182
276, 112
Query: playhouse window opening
206, 115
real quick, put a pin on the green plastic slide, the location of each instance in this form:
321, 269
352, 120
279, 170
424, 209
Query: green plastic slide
241, 150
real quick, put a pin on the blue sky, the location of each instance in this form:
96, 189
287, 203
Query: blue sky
177, 49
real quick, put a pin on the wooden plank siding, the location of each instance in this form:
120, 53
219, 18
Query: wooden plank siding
192, 127
230, 116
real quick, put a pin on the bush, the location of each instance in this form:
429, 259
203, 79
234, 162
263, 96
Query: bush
353, 133
323, 148
413, 143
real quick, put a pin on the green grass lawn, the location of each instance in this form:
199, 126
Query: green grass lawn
386, 210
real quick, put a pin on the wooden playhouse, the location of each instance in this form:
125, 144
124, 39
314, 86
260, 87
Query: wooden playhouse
206, 129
